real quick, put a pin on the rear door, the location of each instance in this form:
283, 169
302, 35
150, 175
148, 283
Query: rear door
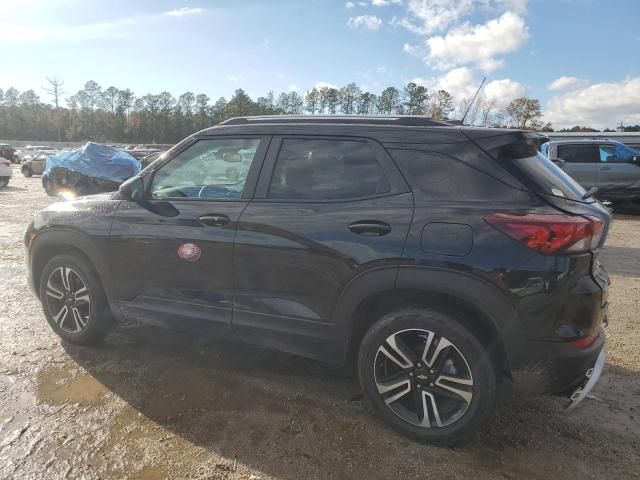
616, 172
581, 162
326, 210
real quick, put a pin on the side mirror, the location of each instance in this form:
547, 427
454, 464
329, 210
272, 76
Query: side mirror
635, 159
559, 162
133, 191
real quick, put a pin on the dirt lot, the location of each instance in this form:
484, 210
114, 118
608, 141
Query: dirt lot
151, 404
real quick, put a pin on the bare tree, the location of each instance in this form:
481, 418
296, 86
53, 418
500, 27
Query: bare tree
486, 107
55, 90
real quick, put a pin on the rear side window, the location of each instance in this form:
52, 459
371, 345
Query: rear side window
323, 169
546, 177
577, 153
434, 176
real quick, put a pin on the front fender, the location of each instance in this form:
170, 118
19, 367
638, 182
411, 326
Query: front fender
53, 241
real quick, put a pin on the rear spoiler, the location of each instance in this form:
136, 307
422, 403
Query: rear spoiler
507, 144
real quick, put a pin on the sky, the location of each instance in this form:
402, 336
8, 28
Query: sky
578, 57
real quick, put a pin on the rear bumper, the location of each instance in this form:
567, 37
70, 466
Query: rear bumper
591, 377
558, 367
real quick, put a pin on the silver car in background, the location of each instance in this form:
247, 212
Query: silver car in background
612, 167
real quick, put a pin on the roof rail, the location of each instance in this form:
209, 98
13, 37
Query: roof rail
404, 120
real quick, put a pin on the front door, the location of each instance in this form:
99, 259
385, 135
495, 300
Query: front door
326, 210
179, 269
617, 174
581, 162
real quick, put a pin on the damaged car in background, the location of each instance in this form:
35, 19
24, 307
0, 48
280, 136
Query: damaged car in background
94, 168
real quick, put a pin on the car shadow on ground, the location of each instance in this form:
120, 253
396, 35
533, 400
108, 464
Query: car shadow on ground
9, 189
270, 410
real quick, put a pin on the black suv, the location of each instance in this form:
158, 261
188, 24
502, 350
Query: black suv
439, 259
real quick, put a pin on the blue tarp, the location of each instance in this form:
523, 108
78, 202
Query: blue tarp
98, 161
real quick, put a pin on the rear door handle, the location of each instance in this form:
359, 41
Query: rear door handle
214, 220
370, 228
605, 168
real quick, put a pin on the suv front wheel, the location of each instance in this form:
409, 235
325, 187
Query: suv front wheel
73, 300
427, 375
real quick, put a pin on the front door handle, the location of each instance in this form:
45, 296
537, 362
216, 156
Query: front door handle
214, 220
370, 228
602, 169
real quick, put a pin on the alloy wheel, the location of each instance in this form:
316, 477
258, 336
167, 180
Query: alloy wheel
68, 300
423, 378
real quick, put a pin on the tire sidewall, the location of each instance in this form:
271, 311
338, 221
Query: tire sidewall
98, 323
477, 357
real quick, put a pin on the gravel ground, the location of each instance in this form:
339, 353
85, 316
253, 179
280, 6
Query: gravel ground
152, 404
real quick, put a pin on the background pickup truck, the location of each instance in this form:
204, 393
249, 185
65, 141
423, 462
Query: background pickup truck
612, 167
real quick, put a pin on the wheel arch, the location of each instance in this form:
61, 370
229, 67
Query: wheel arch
51, 243
487, 311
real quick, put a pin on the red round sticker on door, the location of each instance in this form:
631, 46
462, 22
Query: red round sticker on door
189, 252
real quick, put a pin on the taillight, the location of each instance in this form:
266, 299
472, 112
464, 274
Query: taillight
550, 234
586, 342
6, 163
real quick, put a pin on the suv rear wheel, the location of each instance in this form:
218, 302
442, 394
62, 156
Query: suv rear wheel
26, 171
73, 300
427, 375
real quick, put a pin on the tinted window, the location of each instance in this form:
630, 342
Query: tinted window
326, 170
577, 153
616, 153
208, 169
546, 177
434, 176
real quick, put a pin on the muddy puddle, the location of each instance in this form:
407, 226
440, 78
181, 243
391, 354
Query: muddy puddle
60, 385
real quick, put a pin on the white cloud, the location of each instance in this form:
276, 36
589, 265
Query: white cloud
368, 22
462, 84
181, 12
478, 45
234, 78
450, 40
325, 84
566, 83
292, 88
503, 91
382, 3
349, 5
600, 105
428, 16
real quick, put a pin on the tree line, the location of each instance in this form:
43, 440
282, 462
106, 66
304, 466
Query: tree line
118, 115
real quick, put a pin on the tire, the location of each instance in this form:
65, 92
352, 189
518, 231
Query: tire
26, 171
451, 417
91, 320
4, 182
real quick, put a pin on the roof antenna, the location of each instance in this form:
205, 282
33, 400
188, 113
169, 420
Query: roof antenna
473, 100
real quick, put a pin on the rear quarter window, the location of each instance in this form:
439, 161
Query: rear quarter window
434, 176
546, 177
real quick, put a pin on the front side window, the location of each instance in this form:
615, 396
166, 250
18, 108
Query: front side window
616, 153
215, 169
578, 153
322, 169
